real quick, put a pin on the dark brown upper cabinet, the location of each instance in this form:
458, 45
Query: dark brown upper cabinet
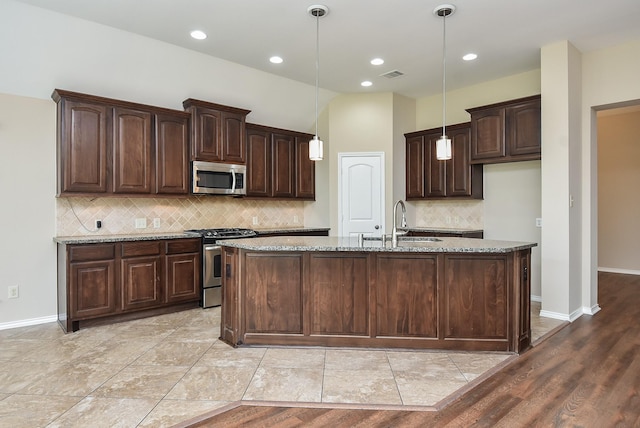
217, 132
108, 147
430, 178
278, 164
506, 132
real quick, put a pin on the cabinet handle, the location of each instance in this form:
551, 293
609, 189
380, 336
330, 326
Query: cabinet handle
228, 270
525, 273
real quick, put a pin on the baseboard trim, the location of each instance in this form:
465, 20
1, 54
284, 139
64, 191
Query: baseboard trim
28, 322
616, 270
591, 310
536, 298
563, 317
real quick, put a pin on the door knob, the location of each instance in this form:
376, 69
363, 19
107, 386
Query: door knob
377, 226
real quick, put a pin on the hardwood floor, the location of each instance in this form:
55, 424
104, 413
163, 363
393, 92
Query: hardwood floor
586, 375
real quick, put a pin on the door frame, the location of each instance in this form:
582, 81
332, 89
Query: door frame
380, 155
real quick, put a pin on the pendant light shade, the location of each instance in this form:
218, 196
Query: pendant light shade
443, 148
443, 145
316, 152
315, 149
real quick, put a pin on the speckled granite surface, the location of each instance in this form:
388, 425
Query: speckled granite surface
331, 243
94, 239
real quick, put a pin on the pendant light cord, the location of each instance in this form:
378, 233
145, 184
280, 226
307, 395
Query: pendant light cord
317, 65
444, 71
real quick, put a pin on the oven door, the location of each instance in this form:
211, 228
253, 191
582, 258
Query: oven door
211, 276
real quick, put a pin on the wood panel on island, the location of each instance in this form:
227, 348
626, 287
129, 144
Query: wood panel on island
112, 147
455, 301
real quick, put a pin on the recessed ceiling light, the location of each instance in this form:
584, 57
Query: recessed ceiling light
377, 61
366, 83
198, 35
470, 57
276, 60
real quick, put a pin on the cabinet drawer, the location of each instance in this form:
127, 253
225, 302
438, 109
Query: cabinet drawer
79, 253
178, 246
143, 248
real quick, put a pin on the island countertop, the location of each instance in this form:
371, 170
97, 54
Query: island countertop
406, 244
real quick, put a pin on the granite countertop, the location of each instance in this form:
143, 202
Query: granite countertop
416, 245
93, 239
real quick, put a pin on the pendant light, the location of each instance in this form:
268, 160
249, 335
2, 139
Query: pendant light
315, 145
443, 145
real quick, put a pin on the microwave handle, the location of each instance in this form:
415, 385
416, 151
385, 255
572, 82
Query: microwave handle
233, 183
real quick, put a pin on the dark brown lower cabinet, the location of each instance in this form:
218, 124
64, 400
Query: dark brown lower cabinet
466, 301
104, 281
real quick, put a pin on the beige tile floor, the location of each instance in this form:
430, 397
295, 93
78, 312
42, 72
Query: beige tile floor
159, 371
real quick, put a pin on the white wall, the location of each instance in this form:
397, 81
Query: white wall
609, 79
618, 198
512, 202
27, 218
42, 50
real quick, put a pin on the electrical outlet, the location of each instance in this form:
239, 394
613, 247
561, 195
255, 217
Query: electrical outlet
141, 223
156, 223
456, 219
255, 220
98, 224
295, 218
13, 292
448, 219
538, 222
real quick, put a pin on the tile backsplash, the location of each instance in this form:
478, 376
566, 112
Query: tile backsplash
77, 216
449, 214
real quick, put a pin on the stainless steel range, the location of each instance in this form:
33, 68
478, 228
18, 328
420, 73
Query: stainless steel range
212, 261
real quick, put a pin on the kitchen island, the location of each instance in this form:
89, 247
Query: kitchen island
425, 293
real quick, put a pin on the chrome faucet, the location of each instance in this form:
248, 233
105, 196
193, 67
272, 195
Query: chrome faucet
403, 223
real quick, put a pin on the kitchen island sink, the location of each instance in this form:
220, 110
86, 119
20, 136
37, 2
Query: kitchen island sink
449, 293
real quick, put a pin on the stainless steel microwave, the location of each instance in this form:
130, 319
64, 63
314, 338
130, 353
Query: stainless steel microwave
209, 178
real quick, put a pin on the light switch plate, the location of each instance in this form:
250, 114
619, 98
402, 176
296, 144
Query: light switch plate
141, 223
538, 222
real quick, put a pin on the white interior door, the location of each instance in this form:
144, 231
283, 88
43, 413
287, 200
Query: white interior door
361, 199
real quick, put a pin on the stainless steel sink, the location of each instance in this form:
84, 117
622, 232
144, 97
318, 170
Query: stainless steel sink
418, 239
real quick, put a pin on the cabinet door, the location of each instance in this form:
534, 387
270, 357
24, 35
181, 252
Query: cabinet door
273, 281
338, 295
140, 270
183, 277
487, 133
82, 148
475, 297
283, 166
258, 163
523, 128
141, 282
435, 170
92, 289
305, 172
458, 167
207, 132
406, 291
172, 154
232, 138
132, 161
415, 167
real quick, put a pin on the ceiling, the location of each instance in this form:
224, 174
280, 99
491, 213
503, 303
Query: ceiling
505, 34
